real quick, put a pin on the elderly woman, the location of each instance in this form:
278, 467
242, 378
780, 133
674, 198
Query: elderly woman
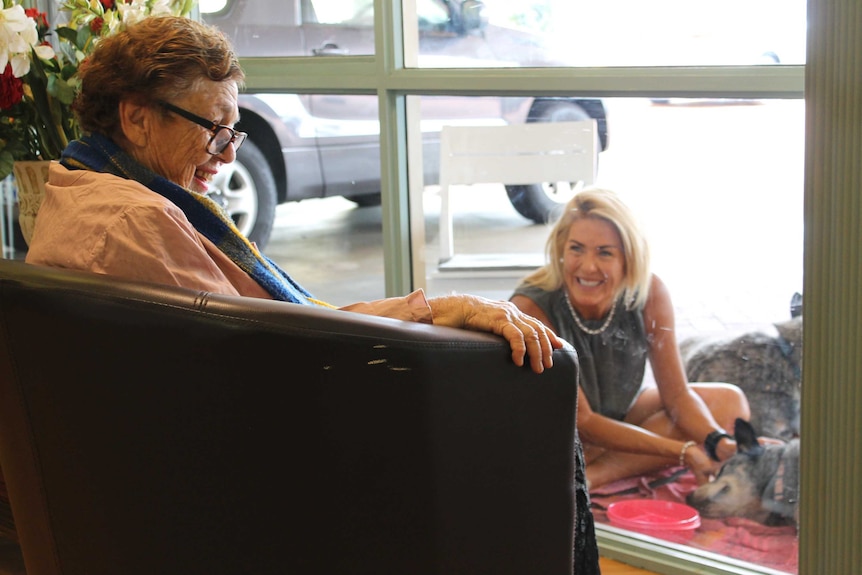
598, 293
158, 103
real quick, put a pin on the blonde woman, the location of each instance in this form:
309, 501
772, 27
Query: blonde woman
598, 293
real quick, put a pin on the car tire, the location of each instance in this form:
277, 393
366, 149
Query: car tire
541, 202
246, 189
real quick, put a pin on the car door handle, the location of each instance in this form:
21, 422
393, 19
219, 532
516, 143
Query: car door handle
330, 49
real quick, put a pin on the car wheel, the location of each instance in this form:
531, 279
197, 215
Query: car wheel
246, 189
541, 202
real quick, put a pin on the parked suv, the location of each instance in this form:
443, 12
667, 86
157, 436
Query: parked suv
312, 146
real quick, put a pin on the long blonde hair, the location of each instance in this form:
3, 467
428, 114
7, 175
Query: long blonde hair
606, 205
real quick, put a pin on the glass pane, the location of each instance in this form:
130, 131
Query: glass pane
513, 33
332, 247
296, 187
516, 33
296, 28
713, 180
718, 187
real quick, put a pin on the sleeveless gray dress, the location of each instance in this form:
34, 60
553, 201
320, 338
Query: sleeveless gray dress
612, 363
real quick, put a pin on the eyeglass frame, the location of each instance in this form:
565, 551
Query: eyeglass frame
236, 137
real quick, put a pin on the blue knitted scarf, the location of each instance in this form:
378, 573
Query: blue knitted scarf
99, 154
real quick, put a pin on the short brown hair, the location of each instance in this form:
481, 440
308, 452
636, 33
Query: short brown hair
159, 57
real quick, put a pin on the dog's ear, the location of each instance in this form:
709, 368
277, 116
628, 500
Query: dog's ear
746, 438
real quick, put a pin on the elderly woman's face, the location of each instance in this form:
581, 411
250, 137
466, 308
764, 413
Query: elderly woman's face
593, 266
180, 153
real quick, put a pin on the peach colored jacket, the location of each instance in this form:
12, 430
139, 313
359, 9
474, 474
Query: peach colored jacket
110, 225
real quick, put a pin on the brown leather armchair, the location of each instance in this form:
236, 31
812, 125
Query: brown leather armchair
156, 430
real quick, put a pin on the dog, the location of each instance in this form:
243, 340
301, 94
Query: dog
760, 482
766, 364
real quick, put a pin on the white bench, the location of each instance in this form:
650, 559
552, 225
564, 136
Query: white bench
512, 154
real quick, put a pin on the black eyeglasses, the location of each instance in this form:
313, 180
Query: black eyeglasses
222, 135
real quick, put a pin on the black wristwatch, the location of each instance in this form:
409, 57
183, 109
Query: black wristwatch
711, 442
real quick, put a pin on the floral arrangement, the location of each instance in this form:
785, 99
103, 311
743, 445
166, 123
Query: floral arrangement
39, 68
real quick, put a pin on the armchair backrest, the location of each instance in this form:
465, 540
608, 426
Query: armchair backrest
152, 429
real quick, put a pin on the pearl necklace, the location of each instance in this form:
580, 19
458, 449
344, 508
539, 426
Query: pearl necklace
581, 325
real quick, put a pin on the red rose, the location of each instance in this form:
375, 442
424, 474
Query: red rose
40, 18
96, 25
11, 89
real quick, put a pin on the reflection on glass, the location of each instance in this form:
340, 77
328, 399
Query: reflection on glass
718, 186
301, 28
513, 33
295, 27
617, 33
678, 32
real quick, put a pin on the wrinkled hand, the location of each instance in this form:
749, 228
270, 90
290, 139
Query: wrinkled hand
527, 336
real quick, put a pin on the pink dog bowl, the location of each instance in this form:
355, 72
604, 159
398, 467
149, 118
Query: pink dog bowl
652, 516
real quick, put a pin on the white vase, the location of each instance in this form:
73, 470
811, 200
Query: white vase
30, 178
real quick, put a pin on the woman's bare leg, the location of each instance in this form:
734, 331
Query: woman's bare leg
726, 402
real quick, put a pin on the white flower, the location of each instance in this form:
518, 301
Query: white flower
136, 10
140, 9
131, 13
44, 52
13, 40
18, 36
162, 8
